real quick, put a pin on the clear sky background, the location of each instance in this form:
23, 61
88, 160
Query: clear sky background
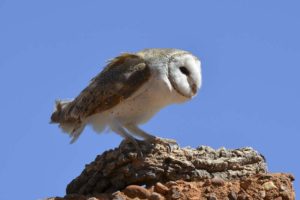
250, 52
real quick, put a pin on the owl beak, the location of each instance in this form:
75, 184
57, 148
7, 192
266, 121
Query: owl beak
194, 88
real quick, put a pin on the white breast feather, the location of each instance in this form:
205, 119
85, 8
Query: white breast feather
142, 105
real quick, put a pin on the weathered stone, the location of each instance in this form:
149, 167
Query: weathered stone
269, 185
156, 196
217, 181
286, 195
212, 197
115, 169
242, 196
175, 193
231, 190
262, 194
160, 188
186, 173
136, 191
245, 184
232, 196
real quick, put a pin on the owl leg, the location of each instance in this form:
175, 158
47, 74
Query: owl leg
139, 132
148, 137
119, 130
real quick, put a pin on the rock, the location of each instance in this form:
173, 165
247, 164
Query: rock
115, 169
243, 196
156, 196
217, 181
230, 190
182, 173
269, 185
286, 195
262, 194
245, 184
160, 188
212, 197
175, 193
136, 191
232, 195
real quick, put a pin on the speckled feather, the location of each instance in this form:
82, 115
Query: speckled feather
119, 79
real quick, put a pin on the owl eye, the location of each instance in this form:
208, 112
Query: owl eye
184, 70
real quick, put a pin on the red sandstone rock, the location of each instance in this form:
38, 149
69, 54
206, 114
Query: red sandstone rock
256, 187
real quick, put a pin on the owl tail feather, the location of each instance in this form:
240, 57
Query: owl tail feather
72, 127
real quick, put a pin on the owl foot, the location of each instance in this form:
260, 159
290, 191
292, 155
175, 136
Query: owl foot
135, 143
171, 144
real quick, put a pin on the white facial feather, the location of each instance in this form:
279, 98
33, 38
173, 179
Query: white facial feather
173, 76
185, 74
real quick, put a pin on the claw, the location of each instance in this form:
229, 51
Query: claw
166, 142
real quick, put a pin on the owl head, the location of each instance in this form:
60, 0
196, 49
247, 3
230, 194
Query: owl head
182, 69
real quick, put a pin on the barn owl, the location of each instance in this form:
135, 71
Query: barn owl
129, 91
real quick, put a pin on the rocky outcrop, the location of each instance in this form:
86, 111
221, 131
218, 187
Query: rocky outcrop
166, 171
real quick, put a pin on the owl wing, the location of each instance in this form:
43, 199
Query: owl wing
123, 76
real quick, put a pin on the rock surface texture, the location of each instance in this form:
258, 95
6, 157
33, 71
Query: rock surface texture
170, 172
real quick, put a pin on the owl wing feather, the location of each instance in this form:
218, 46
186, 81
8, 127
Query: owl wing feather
123, 76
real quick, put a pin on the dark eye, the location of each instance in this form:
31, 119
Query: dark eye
184, 70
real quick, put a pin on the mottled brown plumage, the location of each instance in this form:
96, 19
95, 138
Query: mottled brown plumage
119, 79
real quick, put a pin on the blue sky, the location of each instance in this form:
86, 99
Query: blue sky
250, 52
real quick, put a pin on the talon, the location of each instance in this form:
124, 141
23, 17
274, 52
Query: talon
168, 142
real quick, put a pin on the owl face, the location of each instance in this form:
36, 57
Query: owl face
184, 73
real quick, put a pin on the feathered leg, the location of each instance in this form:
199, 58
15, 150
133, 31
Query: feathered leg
139, 132
135, 130
116, 127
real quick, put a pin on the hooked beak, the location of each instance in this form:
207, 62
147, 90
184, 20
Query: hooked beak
194, 88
